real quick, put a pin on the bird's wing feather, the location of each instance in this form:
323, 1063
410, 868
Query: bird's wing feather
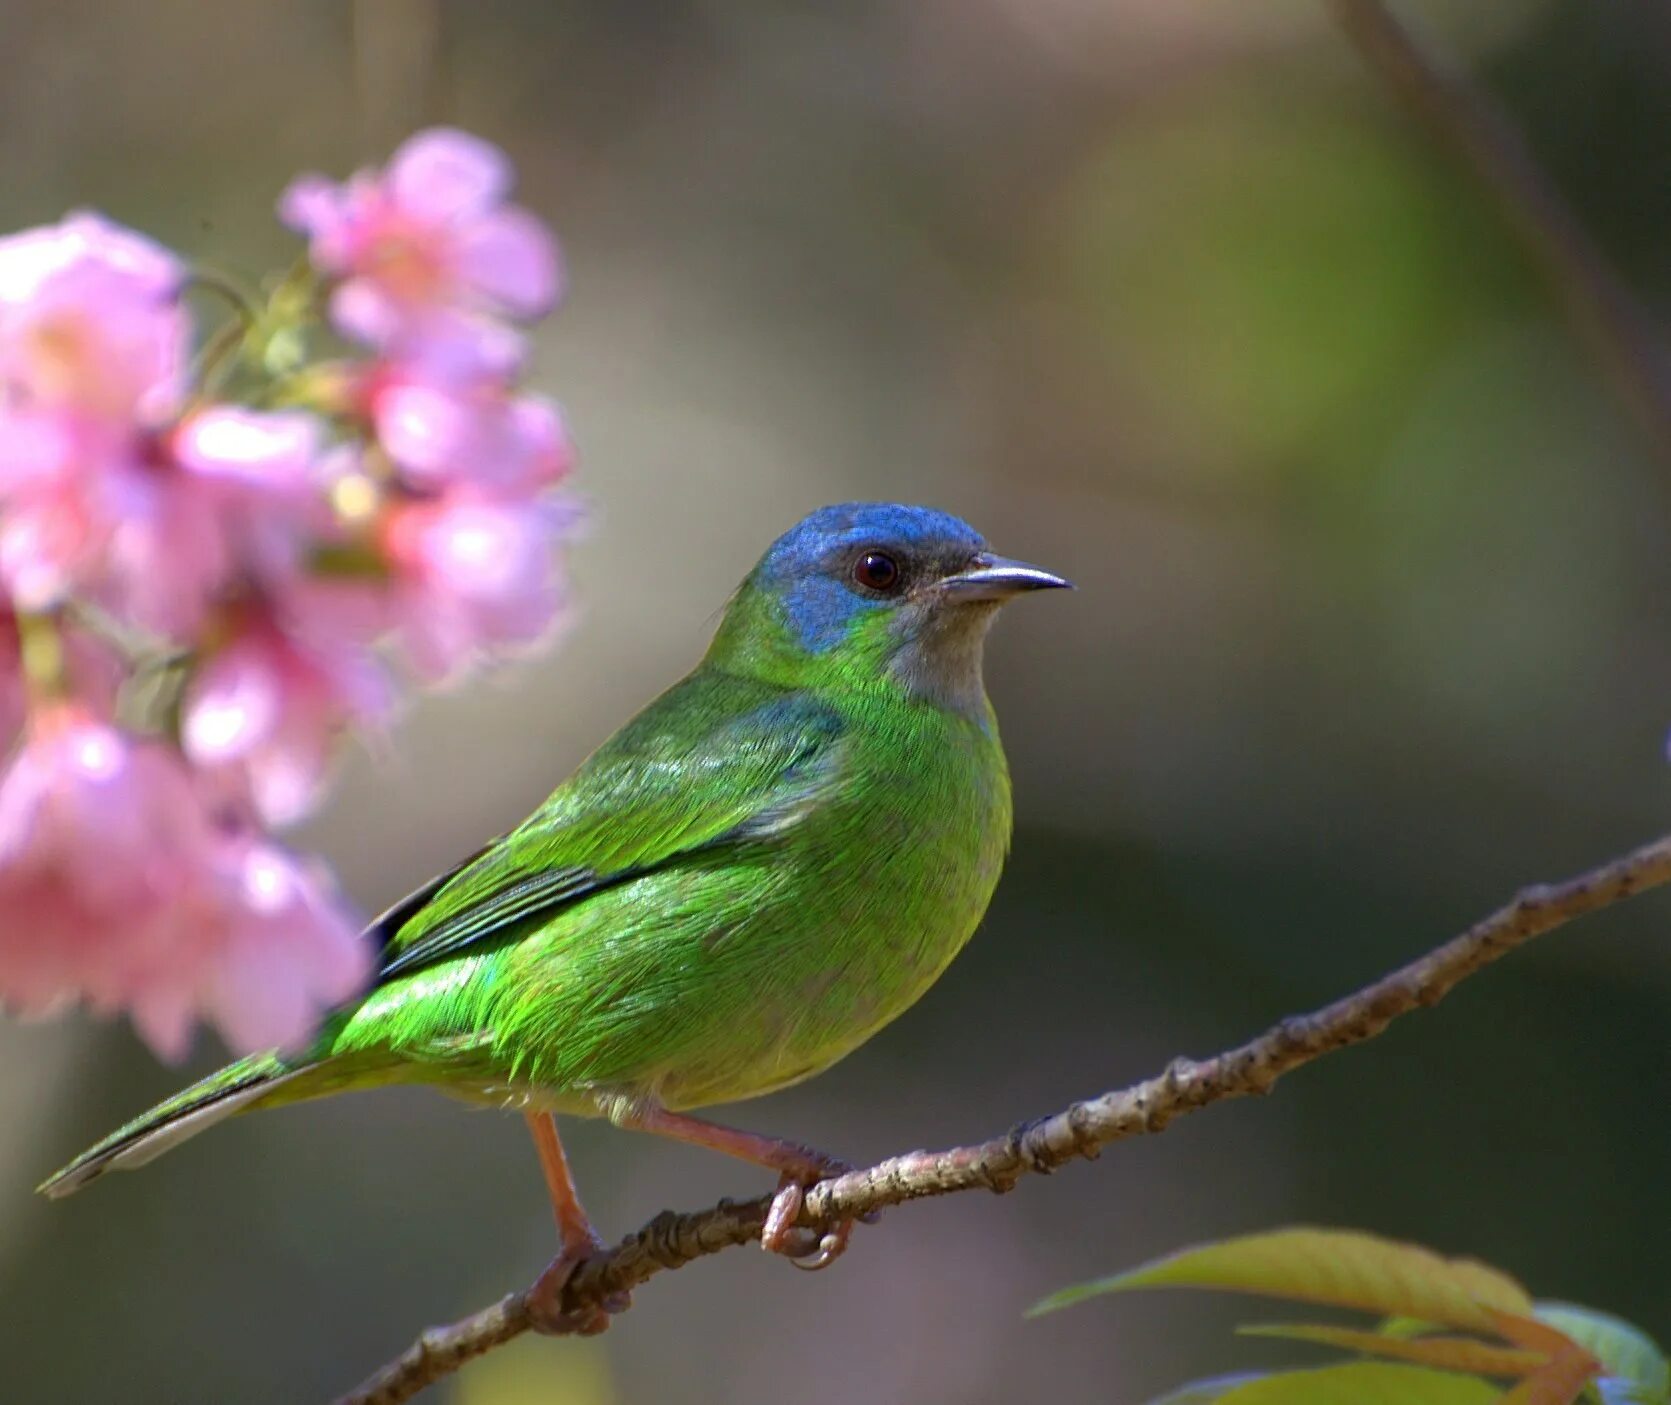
658, 792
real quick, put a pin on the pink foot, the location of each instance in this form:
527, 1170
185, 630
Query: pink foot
805, 1248
800, 1167
546, 1312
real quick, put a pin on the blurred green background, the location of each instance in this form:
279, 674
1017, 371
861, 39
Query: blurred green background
1372, 629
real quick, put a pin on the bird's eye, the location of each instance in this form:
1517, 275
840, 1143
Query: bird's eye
876, 570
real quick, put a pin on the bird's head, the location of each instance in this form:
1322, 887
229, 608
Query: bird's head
877, 589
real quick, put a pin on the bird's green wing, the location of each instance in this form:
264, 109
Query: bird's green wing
716, 761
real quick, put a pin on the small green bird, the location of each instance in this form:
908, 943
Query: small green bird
769, 863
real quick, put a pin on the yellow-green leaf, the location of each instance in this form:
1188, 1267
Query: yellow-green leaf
1441, 1353
1404, 1327
1627, 1354
1340, 1267
1363, 1383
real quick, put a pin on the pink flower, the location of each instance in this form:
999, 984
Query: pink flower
166, 555
232, 449
269, 711
471, 433
159, 532
85, 513
457, 348
54, 516
259, 475
121, 888
474, 576
95, 831
427, 242
135, 874
91, 322
259, 949
93, 495
93, 342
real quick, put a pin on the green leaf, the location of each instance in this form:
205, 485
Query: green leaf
1363, 1383
1637, 1370
1404, 1328
1342, 1268
1441, 1352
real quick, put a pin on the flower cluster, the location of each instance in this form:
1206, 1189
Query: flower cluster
216, 562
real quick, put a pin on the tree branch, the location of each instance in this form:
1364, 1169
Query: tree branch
1620, 332
1079, 1131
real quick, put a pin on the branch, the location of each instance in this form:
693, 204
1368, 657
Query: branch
1077, 1132
1607, 315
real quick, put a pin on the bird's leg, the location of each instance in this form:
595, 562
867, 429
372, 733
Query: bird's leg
576, 1240
798, 1167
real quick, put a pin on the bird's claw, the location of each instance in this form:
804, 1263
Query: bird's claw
806, 1248
831, 1246
546, 1313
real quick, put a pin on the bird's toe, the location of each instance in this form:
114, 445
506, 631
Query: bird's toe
803, 1245
547, 1313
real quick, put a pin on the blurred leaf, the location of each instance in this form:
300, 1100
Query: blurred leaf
1405, 1327
1263, 271
1342, 1268
529, 1373
1208, 1392
1569, 1369
1363, 1383
1442, 1353
1636, 1368
1529, 1332
1615, 1390
1559, 1383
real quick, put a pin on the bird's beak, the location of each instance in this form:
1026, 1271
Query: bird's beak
989, 577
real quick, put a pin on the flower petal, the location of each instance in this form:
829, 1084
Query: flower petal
311, 204
230, 444
425, 429
510, 258
231, 706
445, 174
362, 311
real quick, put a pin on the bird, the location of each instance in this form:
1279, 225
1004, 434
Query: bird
769, 863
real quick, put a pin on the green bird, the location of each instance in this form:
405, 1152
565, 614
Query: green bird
774, 859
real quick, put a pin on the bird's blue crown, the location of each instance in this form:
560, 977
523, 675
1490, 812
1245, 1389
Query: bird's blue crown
806, 568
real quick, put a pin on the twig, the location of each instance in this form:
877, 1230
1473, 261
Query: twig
228, 290
398, 56
1607, 315
1077, 1132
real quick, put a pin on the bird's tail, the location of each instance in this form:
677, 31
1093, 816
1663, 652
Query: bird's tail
235, 1088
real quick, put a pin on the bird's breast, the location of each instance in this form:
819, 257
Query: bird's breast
864, 905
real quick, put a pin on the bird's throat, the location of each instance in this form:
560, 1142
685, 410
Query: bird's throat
939, 659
